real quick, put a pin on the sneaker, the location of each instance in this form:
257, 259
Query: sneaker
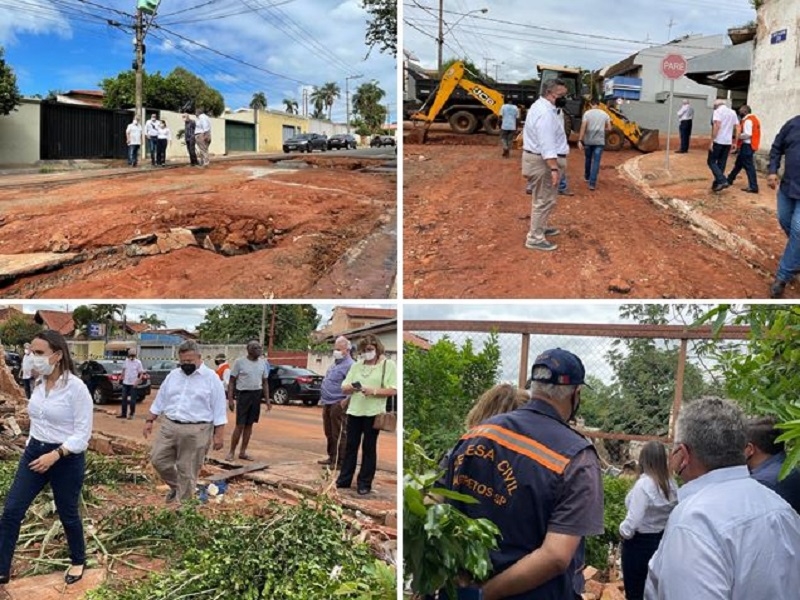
543, 245
777, 288
749, 191
591, 188
566, 192
551, 231
718, 187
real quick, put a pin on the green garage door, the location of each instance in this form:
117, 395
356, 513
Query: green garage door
240, 137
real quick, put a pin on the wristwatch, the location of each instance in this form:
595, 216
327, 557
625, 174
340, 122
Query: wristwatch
61, 452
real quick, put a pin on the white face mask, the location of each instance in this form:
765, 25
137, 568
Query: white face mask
338, 355
42, 365
369, 355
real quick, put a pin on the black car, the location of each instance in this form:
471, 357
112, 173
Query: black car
14, 364
158, 372
306, 142
104, 380
288, 383
382, 140
342, 140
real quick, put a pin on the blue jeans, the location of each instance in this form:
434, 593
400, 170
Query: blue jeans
744, 160
562, 183
152, 144
128, 397
133, 155
592, 164
636, 553
66, 479
789, 219
717, 158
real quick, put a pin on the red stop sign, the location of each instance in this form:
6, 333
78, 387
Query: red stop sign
673, 66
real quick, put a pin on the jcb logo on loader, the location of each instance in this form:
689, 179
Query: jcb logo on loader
482, 96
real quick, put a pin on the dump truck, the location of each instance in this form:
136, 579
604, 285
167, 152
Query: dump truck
465, 104
645, 140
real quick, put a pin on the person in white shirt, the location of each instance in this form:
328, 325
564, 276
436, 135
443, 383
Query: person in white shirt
649, 505
202, 136
132, 371
729, 537
544, 157
509, 114
60, 412
26, 367
592, 140
724, 132
133, 137
192, 401
685, 117
151, 133
164, 136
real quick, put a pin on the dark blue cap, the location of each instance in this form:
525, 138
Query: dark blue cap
566, 368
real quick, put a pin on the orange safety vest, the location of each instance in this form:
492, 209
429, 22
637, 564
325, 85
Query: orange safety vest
221, 370
756, 139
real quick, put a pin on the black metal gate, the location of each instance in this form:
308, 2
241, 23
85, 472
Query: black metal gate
69, 131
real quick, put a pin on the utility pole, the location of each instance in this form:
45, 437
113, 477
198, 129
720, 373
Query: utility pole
139, 62
440, 39
263, 324
272, 329
486, 65
347, 96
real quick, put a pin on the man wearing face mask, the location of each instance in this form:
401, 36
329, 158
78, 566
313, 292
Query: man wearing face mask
544, 158
334, 403
765, 458
538, 480
729, 538
747, 146
248, 387
192, 402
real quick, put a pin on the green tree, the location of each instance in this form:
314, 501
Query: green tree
108, 313
291, 105
242, 322
259, 101
441, 384
367, 105
152, 320
472, 70
381, 25
82, 316
325, 96
178, 91
9, 92
18, 329
763, 376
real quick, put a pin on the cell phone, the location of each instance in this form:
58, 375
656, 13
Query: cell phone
356, 385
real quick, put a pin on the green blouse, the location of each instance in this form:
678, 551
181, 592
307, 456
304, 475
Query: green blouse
370, 377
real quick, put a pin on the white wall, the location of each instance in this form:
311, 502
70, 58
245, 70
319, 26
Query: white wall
19, 134
177, 148
326, 127
774, 93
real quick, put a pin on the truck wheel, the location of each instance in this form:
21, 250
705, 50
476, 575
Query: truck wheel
614, 139
491, 124
463, 122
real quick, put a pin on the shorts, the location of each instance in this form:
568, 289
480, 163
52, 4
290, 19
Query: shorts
248, 406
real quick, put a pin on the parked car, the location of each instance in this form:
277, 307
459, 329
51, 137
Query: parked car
287, 383
14, 363
104, 380
158, 372
382, 140
306, 142
342, 140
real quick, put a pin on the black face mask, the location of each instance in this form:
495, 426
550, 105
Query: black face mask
561, 102
188, 368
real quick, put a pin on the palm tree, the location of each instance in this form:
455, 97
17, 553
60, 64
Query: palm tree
153, 320
259, 101
107, 313
291, 105
367, 104
317, 98
331, 92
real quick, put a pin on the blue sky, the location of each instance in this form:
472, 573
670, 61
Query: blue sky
514, 35
67, 44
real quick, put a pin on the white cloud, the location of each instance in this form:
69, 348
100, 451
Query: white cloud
37, 17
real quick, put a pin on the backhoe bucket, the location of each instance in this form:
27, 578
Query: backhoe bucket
417, 135
649, 140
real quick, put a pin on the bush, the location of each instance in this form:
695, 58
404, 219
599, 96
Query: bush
615, 490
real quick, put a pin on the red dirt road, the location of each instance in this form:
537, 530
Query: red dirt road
466, 218
277, 230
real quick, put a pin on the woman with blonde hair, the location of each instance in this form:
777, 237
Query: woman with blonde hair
649, 505
496, 400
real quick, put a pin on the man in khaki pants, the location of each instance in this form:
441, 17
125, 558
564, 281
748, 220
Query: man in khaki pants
192, 401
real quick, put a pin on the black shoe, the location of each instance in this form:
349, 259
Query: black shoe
327, 461
122, 416
70, 579
749, 191
718, 187
363, 491
777, 288
342, 486
4, 579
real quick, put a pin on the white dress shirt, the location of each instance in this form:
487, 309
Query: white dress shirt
164, 133
544, 130
27, 365
63, 415
729, 538
134, 133
131, 370
151, 128
686, 112
727, 123
203, 124
195, 398
648, 510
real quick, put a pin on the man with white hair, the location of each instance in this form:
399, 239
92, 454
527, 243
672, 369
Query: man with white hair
724, 131
729, 538
685, 116
334, 403
538, 480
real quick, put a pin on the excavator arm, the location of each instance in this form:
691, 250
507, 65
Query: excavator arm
645, 140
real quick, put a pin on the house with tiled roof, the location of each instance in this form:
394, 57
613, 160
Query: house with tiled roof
348, 318
57, 320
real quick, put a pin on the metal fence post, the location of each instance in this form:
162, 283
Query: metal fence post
676, 403
523, 359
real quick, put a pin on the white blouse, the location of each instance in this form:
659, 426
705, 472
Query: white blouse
63, 415
648, 510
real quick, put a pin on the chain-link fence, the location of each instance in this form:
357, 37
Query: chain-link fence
638, 375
